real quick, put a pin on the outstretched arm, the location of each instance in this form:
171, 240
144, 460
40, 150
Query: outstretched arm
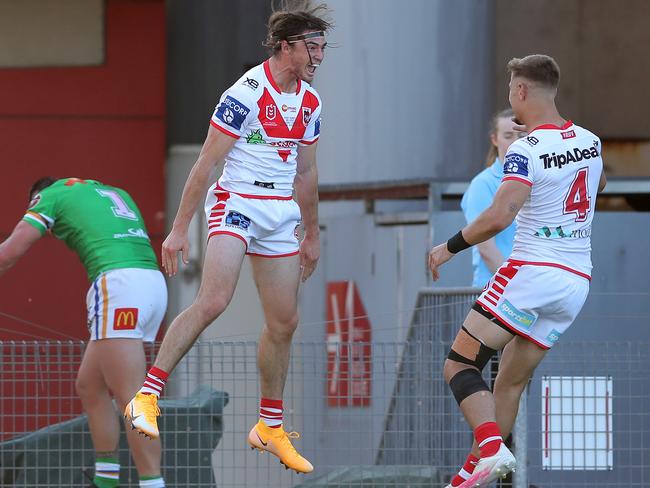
306, 185
17, 244
507, 202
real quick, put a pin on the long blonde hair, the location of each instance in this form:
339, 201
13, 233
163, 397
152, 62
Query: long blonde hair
494, 126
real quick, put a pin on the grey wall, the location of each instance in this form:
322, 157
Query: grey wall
408, 91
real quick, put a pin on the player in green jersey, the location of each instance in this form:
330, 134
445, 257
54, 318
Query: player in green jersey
126, 303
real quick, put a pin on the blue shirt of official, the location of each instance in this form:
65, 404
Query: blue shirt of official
478, 197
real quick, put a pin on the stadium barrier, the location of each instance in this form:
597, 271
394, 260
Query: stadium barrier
586, 423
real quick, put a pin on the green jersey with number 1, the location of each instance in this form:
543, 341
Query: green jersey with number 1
101, 223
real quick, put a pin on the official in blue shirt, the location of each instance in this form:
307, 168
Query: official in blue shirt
489, 255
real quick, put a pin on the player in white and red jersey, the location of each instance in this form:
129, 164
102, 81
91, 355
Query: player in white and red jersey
266, 128
551, 178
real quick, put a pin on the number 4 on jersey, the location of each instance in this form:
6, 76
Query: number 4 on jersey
577, 200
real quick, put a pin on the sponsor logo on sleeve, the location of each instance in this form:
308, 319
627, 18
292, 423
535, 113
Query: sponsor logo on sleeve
251, 83
125, 318
516, 164
532, 140
317, 128
232, 112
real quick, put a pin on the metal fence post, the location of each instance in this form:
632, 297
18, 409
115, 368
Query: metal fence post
520, 438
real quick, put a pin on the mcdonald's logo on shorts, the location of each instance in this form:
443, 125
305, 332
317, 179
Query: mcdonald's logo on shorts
125, 318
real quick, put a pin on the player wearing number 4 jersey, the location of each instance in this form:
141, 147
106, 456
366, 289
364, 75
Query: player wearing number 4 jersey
126, 303
551, 178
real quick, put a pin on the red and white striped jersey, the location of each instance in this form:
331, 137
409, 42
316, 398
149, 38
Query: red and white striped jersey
562, 165
269, 126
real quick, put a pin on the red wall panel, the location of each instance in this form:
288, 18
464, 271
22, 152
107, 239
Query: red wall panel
102, 122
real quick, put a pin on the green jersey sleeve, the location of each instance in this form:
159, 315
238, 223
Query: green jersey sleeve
42, 210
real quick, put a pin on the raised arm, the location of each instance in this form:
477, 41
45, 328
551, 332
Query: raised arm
17, 244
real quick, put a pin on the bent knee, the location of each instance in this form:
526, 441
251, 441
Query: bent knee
209, 309
451, 368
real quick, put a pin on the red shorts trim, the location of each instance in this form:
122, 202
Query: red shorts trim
225, 232
256, 197
514, 178
273, 255
503, 322
552, 265
225, 131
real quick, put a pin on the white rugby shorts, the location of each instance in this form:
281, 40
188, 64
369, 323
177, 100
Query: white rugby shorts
126, 303
538, 301
268, 226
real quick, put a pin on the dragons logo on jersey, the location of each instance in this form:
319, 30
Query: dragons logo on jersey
306, 115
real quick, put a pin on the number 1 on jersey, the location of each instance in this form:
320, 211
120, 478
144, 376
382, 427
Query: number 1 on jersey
120, 208
577, 200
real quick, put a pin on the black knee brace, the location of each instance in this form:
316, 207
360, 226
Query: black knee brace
466, 383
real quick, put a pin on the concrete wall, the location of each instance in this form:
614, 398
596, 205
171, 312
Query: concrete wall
412, 103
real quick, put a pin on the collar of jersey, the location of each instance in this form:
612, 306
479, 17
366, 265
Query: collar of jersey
554, 127
269, 76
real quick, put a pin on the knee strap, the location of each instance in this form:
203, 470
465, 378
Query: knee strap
480, 359
465, 383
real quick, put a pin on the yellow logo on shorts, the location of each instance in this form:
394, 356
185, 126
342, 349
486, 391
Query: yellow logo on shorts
125, 318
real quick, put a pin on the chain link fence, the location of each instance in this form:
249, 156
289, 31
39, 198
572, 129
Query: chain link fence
587, 422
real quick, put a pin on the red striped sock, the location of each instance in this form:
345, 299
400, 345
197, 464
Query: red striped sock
488, 437
271, 412
466, 471
154, 382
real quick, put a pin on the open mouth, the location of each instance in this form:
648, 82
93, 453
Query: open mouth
311, 69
